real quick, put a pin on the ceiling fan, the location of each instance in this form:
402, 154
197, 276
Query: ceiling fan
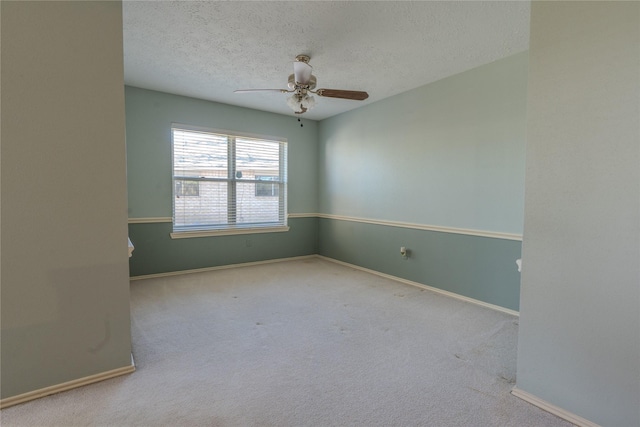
302, 83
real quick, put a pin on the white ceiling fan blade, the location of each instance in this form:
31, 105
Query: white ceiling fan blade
302, 72
261, 90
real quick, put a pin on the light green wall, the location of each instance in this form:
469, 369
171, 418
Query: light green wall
579, 340
149, 117
65, 287
448, 154
481, 268
155, 251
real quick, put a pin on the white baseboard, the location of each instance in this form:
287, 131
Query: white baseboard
220, 267
357, 267
553, 409
36, 394
429, 288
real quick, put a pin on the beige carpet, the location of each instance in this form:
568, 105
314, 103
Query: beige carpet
301, 343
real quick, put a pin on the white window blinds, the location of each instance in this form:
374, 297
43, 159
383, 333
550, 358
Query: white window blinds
227, 182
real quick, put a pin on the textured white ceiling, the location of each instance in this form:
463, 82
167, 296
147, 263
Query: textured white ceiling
209, 49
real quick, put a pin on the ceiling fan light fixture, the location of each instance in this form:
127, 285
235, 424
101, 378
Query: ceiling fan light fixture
301, 103
309, 102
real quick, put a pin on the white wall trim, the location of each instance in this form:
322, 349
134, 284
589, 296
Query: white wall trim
466, 231
303, 215
414, 226
36, 394
553, 409
150, 220
426, 287
219, 267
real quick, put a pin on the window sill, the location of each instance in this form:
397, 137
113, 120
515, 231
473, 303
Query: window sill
226, 232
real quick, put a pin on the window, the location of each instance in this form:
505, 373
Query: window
268, 188
187, 188
227, 183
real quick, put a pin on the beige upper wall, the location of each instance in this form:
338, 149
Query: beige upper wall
579, 339
64, 289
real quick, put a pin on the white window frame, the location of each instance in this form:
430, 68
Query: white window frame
231, 228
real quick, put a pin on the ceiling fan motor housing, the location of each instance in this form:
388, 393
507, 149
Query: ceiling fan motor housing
292, 82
